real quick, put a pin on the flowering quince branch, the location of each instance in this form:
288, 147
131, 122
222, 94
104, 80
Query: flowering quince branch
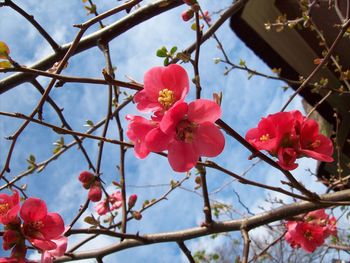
286, 211
182, 131
266, 159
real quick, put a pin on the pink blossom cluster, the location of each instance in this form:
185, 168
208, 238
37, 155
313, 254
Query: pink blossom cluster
288, 136
311, 231
30, 222
186, 130
113, 202
93, 184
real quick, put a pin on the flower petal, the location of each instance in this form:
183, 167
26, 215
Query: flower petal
53, 226
208, 140
202, 110
173, 116
157, 141
175, 78
182, 156
33, 209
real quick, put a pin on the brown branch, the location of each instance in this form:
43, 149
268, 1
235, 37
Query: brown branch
266, 159
186, 251
249, 223
71, 79
60, 130
319, 66
58, 110
106, 34
246, 246
31, 20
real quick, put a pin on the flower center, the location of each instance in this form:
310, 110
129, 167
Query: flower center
35, 226
185, 131
4, 208
308, 235
166, 98
265, 137
315, 144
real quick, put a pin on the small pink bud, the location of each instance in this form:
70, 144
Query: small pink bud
85, 177
137, 215
132, 200
190, 2
187, 15
95, 192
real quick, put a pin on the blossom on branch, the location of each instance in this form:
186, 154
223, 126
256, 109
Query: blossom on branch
188, 131
39, 226
9, 207
311, 231
163, 86
288, 136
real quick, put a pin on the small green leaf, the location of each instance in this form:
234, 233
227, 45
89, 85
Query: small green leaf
32, 158
162, 52
173, 50
242, 63
91, 220
89, 123
166, 61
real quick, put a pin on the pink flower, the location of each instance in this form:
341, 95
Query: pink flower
95, 192
288, 136
163, 86
305, 235
311, 231
313, 144
39, 226
49, 255
188, 131
270, 132
116, 200
9, 207
137, 131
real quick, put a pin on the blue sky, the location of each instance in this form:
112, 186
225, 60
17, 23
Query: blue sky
244, 103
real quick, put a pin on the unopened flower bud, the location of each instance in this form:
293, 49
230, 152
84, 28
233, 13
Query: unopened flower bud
95, 192
187, 15
137, 215
86, 177
132, 200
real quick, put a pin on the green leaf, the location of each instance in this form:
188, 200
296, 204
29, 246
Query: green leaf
89, 123
32, 158
173, 50
91, 220
166, 61
242, 63
162, 52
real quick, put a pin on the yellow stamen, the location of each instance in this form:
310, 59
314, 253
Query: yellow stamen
315, 144
166, 98
36, 225
4, 208
265, 137
308, 235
